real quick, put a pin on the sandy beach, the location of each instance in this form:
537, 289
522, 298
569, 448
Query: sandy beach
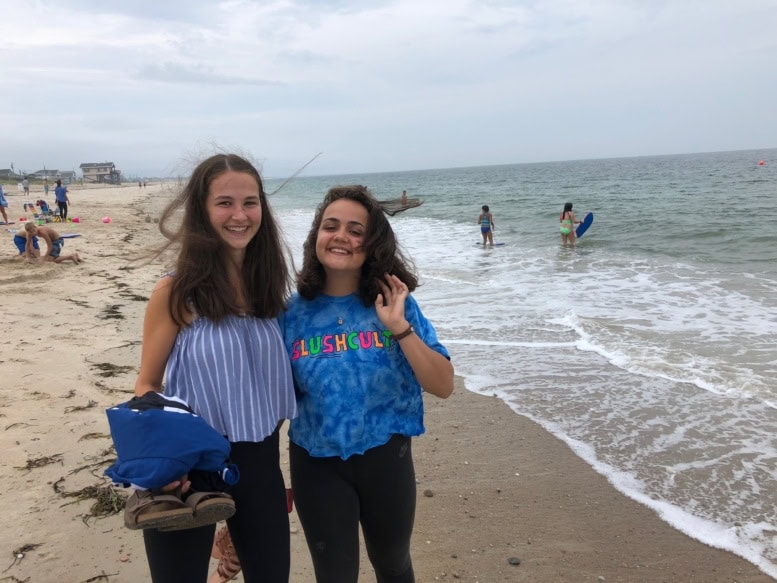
494, 488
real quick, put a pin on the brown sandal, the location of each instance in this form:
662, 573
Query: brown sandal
207, 508
224, 551
143, 509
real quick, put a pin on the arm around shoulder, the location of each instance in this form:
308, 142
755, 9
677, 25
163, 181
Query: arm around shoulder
159, 332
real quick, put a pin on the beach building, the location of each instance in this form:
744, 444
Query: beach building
66, 176
9, 174
45, 173
50, 173
101, 172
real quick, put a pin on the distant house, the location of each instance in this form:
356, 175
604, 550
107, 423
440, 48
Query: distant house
101, 172
47, 173
8, 174
66, 176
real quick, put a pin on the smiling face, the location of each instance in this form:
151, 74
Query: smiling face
339, 245
234, 209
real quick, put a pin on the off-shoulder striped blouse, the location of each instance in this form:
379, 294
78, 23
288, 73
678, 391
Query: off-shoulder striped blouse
235, 374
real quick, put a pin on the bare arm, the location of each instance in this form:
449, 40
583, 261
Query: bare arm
49, 245
433, 371
28, 246
159, 332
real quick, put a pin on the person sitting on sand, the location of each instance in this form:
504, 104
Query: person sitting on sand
54, 244
20, 239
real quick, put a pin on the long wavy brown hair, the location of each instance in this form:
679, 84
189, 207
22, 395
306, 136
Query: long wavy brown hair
201, 282
381, 249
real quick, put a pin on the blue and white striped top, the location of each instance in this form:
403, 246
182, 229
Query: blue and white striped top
236, 375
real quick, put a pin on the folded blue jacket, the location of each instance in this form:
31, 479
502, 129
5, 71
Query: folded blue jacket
159, 439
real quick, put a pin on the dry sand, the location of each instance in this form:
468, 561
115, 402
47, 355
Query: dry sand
492, 484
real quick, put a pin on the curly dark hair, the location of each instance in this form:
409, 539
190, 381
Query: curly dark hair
201, 282
381, 249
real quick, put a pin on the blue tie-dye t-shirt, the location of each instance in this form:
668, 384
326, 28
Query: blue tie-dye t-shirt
355, 388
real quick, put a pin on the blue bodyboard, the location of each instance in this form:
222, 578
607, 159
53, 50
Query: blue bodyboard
588, 219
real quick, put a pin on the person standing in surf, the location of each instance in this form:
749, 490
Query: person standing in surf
567, 228
486, 221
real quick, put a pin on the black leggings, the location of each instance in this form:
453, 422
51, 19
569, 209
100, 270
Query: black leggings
376, 489
62, 210
259, 528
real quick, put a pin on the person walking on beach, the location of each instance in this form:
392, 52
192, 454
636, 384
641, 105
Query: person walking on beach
54, 244
3, 205
46, 188
361, 352
210, 333
567, 228
486, 221
26, 185
62, 199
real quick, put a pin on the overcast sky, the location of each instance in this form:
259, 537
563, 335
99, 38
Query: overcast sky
381, 85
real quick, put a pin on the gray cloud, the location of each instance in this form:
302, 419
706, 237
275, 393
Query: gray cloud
177, 73
384, 85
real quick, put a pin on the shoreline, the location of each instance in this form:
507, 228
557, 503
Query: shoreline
511, 488
501, 486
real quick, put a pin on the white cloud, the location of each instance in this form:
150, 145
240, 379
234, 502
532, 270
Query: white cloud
383, 85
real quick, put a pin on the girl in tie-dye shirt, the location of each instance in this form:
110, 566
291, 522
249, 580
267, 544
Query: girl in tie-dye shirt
361, 353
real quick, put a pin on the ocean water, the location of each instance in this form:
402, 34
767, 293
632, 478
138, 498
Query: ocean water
650, 348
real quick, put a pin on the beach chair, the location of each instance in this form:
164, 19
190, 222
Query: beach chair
47, 213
